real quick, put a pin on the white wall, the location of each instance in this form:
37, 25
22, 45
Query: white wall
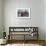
0, 13
37, 15
0, 18
45, 19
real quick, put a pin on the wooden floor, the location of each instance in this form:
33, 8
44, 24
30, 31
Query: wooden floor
40, 42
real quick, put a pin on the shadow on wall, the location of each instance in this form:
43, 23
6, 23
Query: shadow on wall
1, 34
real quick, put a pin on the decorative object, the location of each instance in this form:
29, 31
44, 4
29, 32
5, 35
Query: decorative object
3, 41
23, 12
4, 35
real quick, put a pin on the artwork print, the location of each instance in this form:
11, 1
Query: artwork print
23, 12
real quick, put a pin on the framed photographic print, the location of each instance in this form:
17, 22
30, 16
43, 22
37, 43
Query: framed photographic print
22, 12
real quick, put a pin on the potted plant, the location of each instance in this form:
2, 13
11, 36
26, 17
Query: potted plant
2, 37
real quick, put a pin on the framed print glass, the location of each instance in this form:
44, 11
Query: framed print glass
22, 12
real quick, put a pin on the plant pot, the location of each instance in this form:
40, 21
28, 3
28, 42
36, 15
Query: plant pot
3, 41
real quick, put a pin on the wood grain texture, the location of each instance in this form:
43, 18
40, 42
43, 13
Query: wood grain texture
27, 42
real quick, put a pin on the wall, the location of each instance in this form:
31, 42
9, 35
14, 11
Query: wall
37, 15
0, 18
45, 19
